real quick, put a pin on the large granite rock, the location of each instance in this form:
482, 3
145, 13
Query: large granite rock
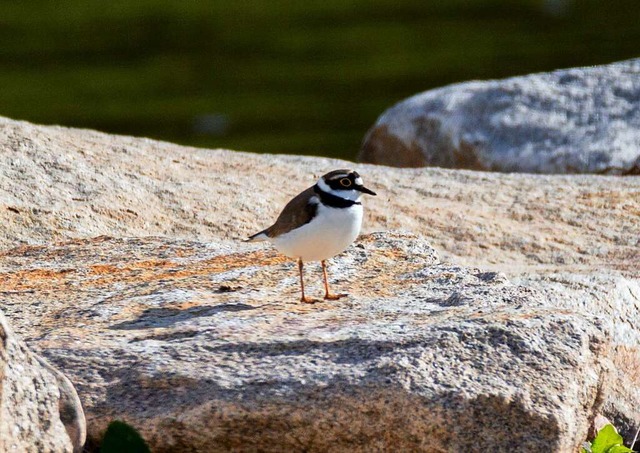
202, 344
58, 183
581, 120
205, 347
39, 409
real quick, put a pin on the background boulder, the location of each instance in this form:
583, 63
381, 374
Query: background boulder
581, 120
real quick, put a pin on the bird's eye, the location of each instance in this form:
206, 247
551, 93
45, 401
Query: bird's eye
345, 182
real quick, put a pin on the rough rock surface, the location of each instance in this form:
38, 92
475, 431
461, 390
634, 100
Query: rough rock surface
580, 120
58, 183
615, 300
206, 347
39, 409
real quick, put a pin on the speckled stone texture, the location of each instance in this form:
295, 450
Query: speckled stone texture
39, 408
59, 183
580, 120
205, 347
200, 342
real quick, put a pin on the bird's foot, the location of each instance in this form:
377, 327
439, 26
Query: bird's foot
307, 300
334, 296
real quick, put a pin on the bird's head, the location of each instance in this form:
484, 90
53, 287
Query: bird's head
346, 184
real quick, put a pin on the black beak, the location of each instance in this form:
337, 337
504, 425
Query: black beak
365, 190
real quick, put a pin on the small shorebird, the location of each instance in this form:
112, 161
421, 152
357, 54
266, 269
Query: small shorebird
319, 223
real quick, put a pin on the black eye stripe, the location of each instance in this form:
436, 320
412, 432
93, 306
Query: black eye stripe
334, 182
337, 184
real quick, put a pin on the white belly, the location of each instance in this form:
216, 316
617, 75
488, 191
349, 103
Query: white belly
329, 233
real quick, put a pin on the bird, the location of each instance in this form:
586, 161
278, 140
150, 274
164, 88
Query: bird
319, 223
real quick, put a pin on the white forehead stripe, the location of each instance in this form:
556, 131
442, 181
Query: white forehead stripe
346, 194
359, 181
324, 186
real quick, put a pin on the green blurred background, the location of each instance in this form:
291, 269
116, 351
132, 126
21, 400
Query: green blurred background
300, 77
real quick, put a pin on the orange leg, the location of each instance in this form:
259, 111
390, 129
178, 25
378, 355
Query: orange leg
303, 298
327, 294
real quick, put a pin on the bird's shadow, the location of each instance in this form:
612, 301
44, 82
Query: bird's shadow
153, 318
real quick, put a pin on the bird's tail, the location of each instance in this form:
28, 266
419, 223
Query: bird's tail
261, 236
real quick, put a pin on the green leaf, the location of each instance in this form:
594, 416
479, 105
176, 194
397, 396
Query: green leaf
606, 438
123, 438
619, 449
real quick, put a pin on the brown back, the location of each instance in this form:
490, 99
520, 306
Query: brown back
296, 213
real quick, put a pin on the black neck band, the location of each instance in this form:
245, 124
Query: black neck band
333, 201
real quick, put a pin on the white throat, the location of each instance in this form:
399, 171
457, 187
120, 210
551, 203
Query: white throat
353, 195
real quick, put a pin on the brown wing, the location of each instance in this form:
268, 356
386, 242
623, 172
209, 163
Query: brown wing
296, 213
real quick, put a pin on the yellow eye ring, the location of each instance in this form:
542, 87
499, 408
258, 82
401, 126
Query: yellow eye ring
345, 182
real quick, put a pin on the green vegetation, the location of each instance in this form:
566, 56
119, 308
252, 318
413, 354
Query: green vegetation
279, 76
607, 441
122, 438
